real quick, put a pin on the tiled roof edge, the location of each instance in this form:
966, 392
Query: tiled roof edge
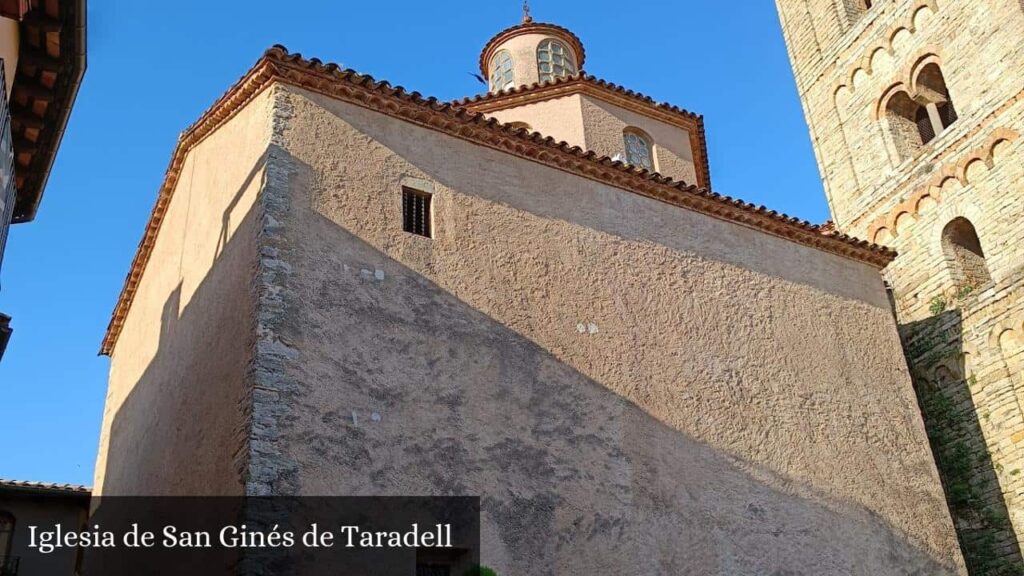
486, 103
581, 76
277, 64
26, 485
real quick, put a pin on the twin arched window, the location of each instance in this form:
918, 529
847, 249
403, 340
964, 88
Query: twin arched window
914, 122
502, 74
638, 149
554, 61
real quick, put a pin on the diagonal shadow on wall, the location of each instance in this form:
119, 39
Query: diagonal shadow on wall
403, 388
943, 383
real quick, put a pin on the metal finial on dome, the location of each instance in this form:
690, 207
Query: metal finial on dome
526, 12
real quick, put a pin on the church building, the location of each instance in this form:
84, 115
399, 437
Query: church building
534, 296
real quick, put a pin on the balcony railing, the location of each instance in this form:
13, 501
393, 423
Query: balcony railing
9, 565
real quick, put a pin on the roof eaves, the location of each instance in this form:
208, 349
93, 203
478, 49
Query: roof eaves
278, 65
46, 487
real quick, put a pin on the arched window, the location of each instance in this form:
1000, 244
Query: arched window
855, 9
914, 122
638, 149
502, 76
932, 87
554, 61
963, 252
6, 534
909, 124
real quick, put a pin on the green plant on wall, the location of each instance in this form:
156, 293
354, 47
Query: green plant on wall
480, 571
957, 463
937, 305
963, 291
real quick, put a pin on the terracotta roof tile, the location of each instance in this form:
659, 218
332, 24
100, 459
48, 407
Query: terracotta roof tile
42, 94
279, 66
26, 485
578, 77
511, 97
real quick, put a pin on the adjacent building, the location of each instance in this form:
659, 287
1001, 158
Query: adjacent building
42, 49
533, 296
24, 504
916, 108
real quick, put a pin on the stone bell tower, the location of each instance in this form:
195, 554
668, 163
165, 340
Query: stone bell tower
915, 108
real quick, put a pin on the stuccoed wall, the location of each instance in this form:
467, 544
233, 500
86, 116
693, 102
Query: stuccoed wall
173, 423
560, 118
631, 387
604, 125
593, 124
963, 342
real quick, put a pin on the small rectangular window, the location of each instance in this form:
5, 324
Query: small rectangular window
416, 212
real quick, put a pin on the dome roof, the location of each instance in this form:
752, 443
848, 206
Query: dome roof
528, 26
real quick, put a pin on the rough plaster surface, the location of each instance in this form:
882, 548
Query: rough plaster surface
964, 347
560, 118
604, 126
631, 387
592, 124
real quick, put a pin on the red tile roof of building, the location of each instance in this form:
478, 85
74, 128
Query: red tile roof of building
630, 99
48, 487
279, 66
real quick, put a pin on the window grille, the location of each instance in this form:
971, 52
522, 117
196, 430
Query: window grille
416, 212
924, 125
638, 151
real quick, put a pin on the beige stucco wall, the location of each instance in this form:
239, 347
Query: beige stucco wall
10, 35
631, 387
606, 123
593, 124
559, 118
172, 415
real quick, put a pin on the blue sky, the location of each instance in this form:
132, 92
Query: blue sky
155, 66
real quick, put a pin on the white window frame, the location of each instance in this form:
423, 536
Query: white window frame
557, 57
